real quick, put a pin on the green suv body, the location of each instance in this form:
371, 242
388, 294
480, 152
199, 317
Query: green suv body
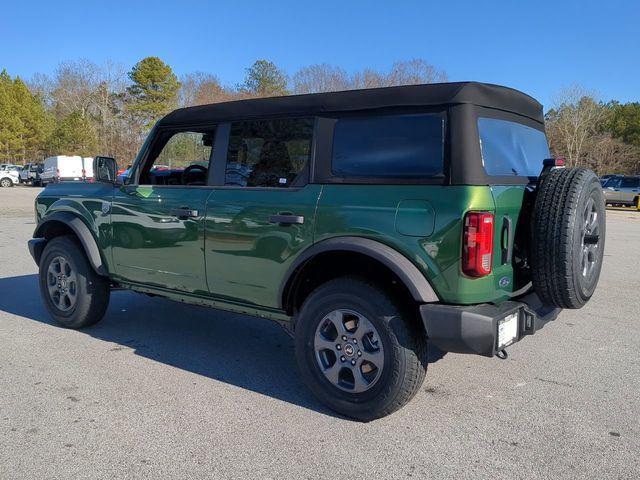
333, 214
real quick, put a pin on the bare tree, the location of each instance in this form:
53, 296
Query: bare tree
572, 122
605, 154
75, 87
327, 78
369, 78
414, 72
320, 78
200, 88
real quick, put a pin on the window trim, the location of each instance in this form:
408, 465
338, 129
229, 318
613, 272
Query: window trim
323, 168
217, 176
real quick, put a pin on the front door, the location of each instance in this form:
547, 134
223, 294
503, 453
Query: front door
262, 212
158, 220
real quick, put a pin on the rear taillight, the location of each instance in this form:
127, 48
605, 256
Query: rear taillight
477, 244
57, 172
84, 173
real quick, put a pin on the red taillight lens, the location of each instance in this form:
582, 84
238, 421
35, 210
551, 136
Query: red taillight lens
477, 244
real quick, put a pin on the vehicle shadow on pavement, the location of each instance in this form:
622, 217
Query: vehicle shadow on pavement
237, 349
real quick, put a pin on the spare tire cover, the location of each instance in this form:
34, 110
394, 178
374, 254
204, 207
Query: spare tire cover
568, 233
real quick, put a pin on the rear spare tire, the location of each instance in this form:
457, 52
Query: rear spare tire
568, 233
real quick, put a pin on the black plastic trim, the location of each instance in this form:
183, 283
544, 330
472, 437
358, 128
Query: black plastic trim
406, 271
473, 328
82, 232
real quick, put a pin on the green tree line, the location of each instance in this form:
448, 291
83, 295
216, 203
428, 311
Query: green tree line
88, 109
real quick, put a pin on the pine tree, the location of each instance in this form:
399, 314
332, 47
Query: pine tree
154, 91
24, 123
75, 134
265, 79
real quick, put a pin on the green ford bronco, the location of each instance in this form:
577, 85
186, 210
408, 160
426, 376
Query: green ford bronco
372, 224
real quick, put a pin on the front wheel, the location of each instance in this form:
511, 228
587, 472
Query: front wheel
357, 351
73, 293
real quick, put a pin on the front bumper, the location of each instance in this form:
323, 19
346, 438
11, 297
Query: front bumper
474, 328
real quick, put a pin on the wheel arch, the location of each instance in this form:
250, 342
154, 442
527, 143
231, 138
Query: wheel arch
65, 223
376, 252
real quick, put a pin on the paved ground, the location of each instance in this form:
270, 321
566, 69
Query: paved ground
162, 390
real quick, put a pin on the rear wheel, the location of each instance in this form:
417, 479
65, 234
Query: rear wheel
73, 293
6, 182
568, 237
357, 351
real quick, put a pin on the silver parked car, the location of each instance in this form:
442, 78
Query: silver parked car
623, 190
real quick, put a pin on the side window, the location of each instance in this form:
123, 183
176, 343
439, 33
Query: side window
630, 182
389, 146
510, 148
269, 153
181, 158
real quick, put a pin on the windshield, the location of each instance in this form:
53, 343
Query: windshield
510, 148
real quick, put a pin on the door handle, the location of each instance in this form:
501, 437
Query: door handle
286, 219
183, 212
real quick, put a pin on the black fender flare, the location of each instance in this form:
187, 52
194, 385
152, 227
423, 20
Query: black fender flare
86, 238
420, 289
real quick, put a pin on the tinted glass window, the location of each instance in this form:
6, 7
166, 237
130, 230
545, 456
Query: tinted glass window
388, 146
510, 148
630, 182
273, 153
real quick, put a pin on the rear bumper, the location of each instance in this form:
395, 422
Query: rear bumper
474, 328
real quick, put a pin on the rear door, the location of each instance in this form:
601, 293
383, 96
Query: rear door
70, 168
629, 189
262, 210
158, 220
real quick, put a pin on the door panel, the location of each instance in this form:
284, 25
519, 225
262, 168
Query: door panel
158, 236
247, 251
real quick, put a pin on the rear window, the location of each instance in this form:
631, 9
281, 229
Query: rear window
391, 146
510, 148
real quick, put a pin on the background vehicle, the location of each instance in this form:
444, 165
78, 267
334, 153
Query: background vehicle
605, 178
62, 168
9, 166
366, 222
24, 173
87, 168
30, 173
9, 177
622, 190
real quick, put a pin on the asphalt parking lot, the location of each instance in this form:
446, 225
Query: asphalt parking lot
160, 389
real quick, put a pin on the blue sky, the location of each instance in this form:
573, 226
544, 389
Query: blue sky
535, 46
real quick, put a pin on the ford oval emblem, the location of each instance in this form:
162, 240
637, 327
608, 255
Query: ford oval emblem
504, 281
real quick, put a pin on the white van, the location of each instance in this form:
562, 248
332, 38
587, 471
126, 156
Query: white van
88, 168
66, 168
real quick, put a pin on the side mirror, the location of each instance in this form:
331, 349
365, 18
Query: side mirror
104, 169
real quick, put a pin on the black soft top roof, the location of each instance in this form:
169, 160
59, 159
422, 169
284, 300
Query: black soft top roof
433, 94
